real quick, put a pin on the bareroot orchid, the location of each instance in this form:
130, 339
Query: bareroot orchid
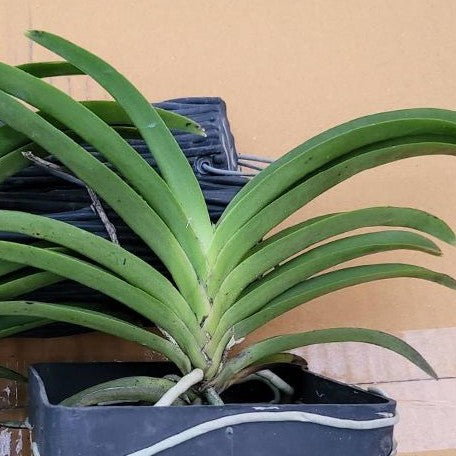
224, 280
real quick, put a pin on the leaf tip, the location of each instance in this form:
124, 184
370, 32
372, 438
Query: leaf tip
33, 33
197, 128
427, 368
447, 281
431, 372
435, 250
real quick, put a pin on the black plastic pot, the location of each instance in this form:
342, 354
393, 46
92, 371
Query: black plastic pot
122, 430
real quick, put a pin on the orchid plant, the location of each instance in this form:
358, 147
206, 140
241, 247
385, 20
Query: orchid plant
226, 280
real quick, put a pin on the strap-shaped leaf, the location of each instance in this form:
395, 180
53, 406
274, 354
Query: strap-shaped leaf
9, 326
8, 267
142, 177
292, 168
98, 322
127, 389
101, 280
50, 69
94, 277
14, 161
269, 362
120, 196
290, 241
113, 257
9, 374
113, 114
108, 111
288, 342
126, 265
306, 265
18, 286
172, 163
332, 281
254, 229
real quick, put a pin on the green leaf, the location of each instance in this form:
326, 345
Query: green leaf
135, 169
9, 326
108, 111
14, 162
288, 342
50, 69
113, 257
9, 374
101, 280
18, 286
330, 282
113, 114
290, 241
299, 164
99, 322
253, 230
304, 266
127, 389
8, 267
172, 163
109, 186
269, 362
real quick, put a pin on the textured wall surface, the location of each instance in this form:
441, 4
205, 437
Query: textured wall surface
289, 69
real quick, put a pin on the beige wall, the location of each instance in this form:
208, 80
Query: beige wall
289, 69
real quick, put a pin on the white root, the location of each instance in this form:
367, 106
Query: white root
181, 387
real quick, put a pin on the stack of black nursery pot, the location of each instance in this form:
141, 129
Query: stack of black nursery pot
39, 190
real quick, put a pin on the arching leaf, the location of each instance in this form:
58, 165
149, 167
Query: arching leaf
290, 341
332, 281
99, 322
306, 265
290, 241
170, 159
